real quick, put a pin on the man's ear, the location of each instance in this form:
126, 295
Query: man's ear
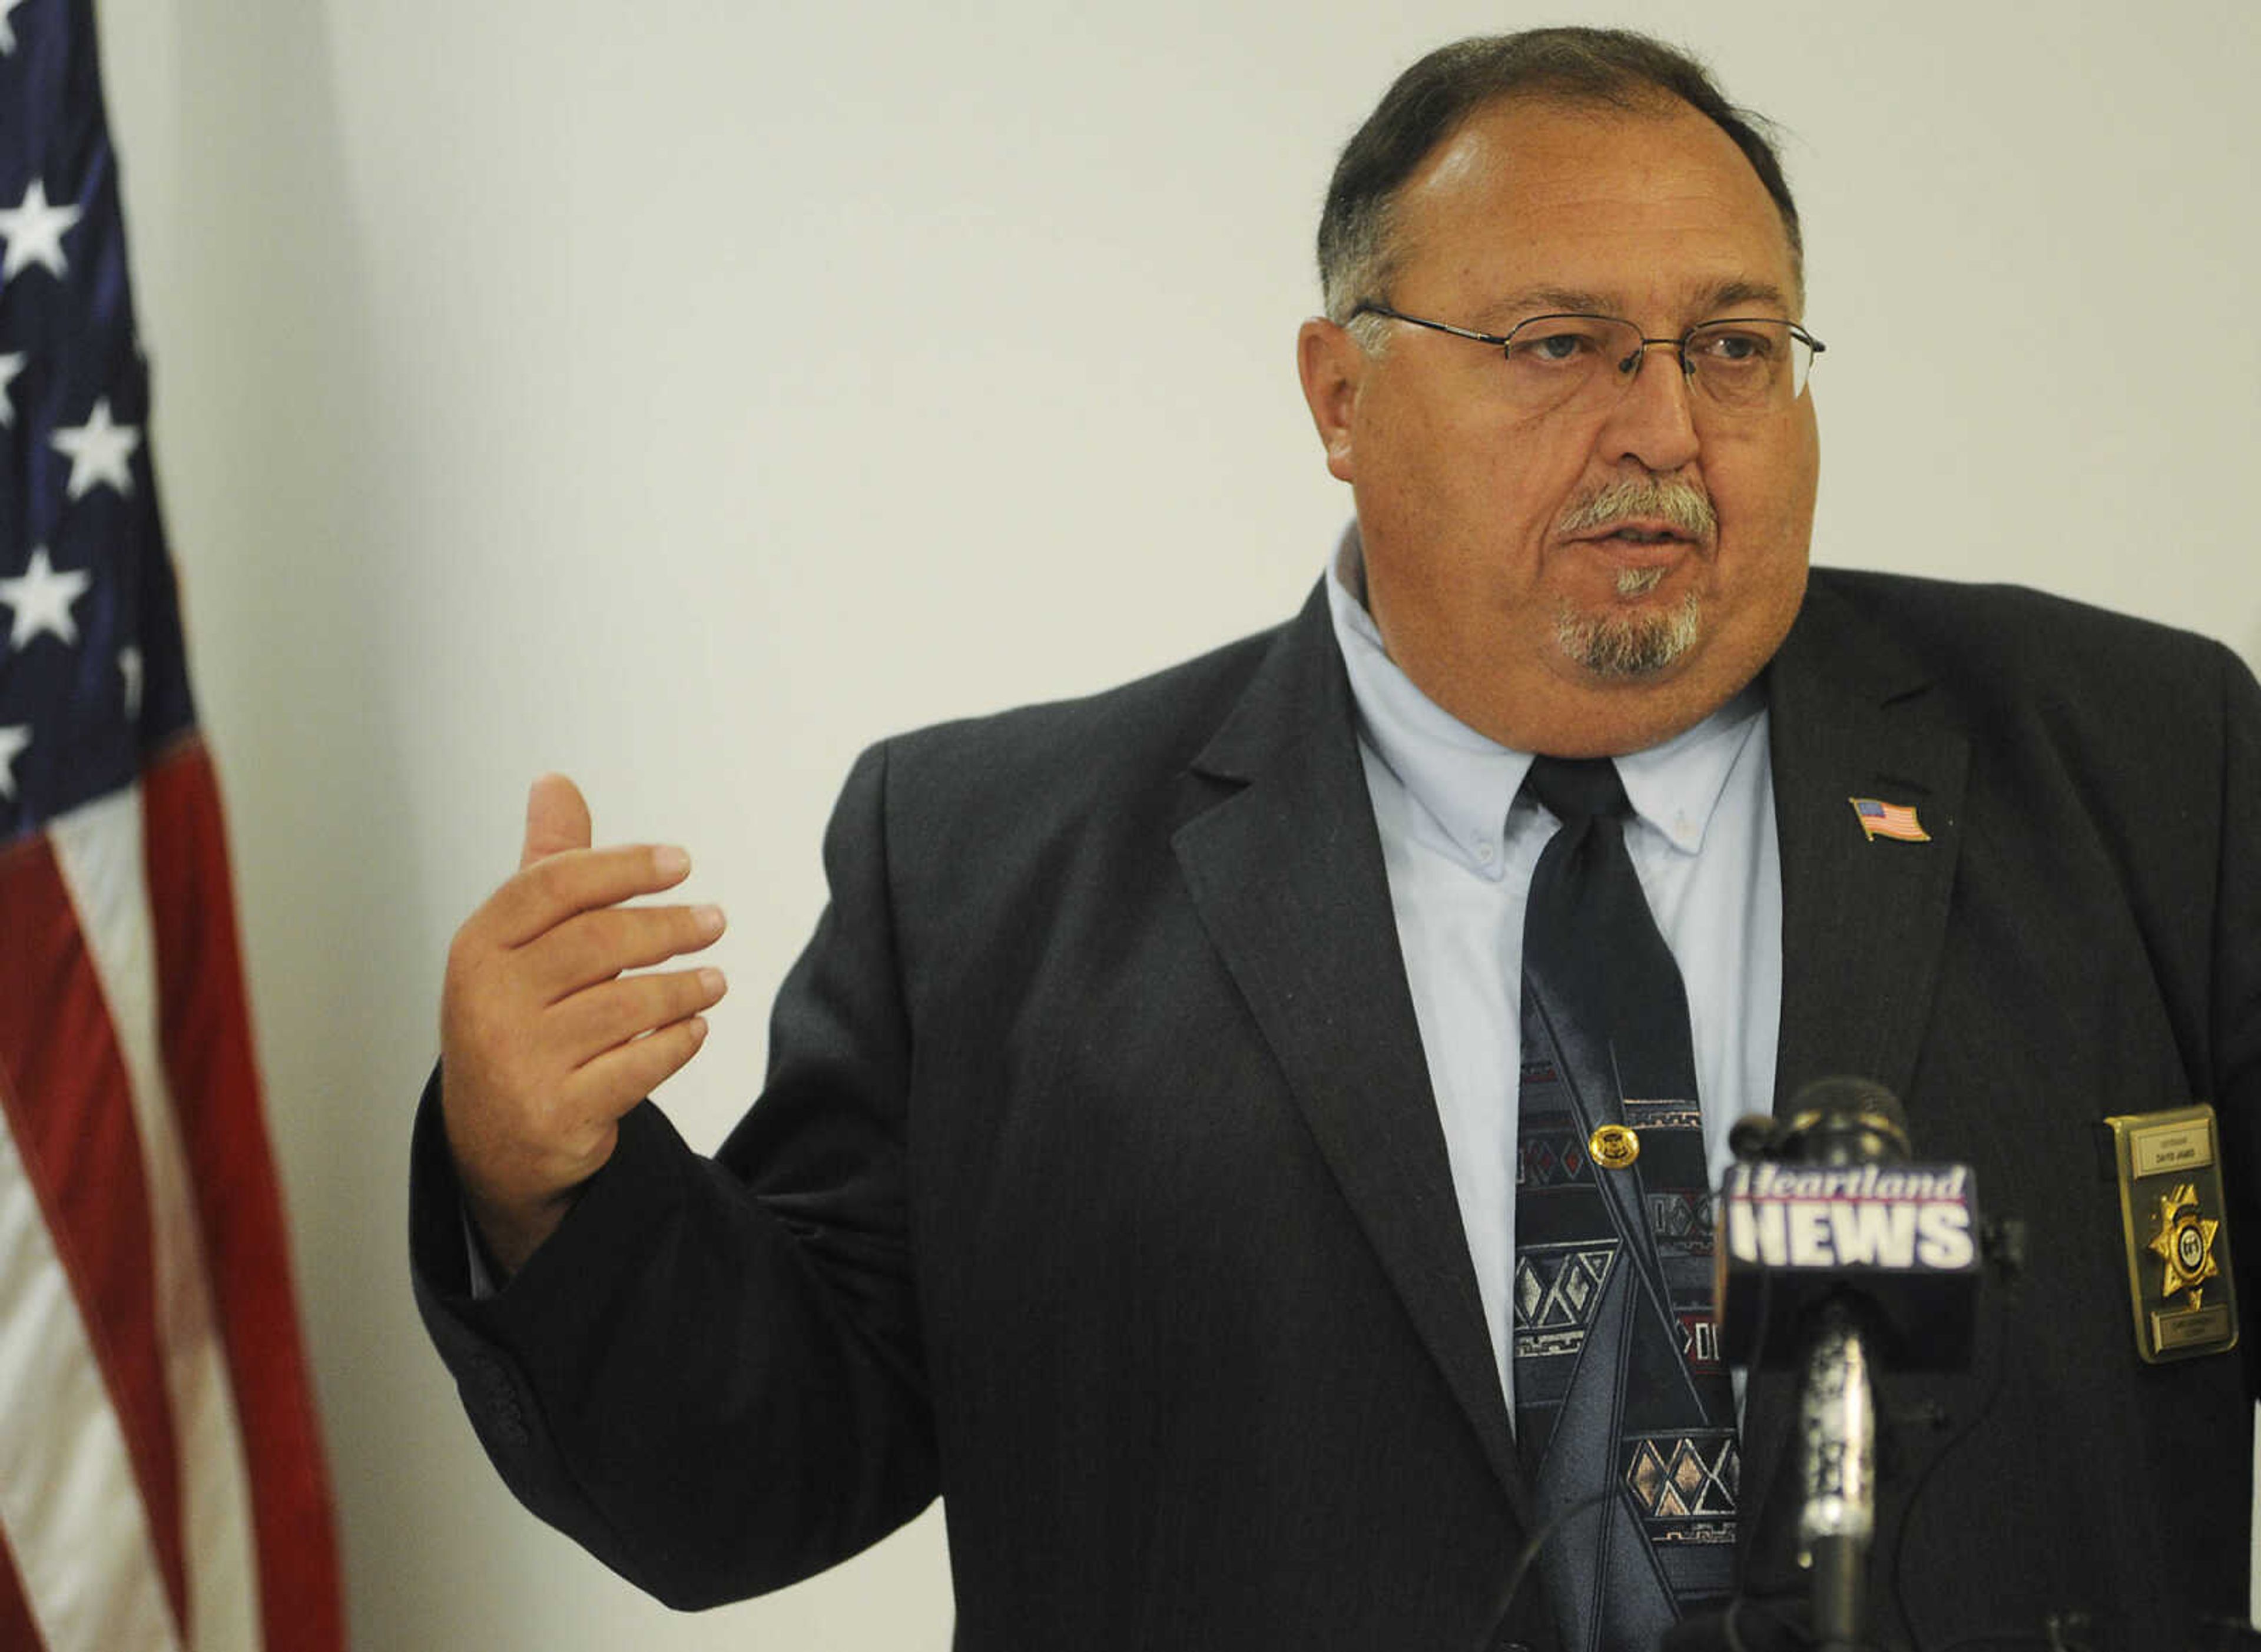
1332, 367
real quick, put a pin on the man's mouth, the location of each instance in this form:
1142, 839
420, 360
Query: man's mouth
1640, 512
1638, 532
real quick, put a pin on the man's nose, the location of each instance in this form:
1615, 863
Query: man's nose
1653, 422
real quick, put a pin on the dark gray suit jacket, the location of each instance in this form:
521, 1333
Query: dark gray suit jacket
1097, 1185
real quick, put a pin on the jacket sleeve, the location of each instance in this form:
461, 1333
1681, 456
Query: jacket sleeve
711, 1375
2234, 1013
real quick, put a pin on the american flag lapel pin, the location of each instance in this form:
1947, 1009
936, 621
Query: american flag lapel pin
1880, 819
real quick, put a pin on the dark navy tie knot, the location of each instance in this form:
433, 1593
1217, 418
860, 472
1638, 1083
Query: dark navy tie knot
1577, 788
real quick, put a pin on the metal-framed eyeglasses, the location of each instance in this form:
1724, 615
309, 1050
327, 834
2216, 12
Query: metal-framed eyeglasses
1743, 365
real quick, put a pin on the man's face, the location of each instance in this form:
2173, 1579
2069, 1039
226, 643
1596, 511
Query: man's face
1499, 587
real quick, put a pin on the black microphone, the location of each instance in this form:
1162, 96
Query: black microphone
1822, 1201
1837, 1254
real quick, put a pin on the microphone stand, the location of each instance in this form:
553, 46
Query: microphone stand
1837, 1430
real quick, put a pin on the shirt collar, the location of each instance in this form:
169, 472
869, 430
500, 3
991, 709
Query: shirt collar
1466, 782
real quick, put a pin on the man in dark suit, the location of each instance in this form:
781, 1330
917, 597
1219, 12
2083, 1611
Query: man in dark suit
1120, 1177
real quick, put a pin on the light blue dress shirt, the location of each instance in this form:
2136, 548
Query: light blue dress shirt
1460, 848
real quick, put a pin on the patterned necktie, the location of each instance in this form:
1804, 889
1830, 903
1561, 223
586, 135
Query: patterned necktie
1621, 1402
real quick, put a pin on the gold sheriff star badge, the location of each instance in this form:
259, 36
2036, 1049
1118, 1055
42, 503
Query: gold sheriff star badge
2185, 1242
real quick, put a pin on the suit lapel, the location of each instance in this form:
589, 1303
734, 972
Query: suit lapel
1850, 716
1861, 917
1288, 875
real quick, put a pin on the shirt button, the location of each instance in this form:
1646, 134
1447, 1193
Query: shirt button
1485, 852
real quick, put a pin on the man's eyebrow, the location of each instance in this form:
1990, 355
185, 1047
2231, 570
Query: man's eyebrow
1736, 294
1503, 313
1719, 298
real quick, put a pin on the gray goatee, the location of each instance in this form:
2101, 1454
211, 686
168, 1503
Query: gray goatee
1623, 645
1628, 645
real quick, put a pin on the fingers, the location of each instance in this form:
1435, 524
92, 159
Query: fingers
560, 875
597, 945
623, 1075
587, 1026
573, 882
556, 820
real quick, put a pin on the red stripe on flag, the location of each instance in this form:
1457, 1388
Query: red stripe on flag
70, 1108
17, 1632
207, 1035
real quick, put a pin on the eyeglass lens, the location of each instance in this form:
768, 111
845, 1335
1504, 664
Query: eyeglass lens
1739, 365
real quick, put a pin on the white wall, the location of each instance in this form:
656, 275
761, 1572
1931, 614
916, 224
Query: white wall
682, 394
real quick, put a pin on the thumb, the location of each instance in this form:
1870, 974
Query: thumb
557, 819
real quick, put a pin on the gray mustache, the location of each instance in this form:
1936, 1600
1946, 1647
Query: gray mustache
1682, 505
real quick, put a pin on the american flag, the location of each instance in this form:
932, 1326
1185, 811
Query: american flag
1880, 819
161, 1482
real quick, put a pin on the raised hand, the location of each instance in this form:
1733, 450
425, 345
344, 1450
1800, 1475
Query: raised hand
544, 1040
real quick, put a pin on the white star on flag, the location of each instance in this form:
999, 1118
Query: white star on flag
129, 667
10, 366
7, 30
42, 598
13, 741
99, 451
34, 233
